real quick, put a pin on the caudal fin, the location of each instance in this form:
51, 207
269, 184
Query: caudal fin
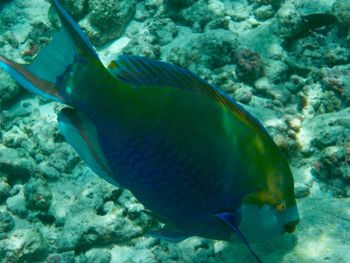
47, 75
42, 77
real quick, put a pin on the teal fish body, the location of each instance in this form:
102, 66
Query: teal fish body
194, 157
179, 161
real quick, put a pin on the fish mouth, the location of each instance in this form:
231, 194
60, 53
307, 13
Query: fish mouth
293, 215
291, 226
260, 224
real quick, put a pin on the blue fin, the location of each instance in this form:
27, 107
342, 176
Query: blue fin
141, 72
29, 81
169, 233
45, 76
77, 35
53, 60
41, 77
233, 221
81, 134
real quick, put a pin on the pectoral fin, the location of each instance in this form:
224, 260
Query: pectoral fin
232, 220
82, 135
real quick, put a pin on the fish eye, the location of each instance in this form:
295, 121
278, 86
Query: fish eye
281, 206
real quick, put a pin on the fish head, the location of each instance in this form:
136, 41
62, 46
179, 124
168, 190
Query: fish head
271, 210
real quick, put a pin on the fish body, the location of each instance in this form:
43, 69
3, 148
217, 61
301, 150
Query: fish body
190, 154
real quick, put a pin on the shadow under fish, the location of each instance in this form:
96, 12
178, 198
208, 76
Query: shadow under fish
189, 153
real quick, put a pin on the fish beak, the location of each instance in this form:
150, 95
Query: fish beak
293, 219
291, 226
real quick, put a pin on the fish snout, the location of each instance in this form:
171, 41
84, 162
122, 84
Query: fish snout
291, 226
292, 220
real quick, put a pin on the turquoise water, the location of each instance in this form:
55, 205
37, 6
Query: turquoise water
285, 62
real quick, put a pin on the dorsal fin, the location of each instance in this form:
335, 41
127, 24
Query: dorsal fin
139, 71
81, 134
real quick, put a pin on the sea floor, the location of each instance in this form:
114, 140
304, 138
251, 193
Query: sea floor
287, 62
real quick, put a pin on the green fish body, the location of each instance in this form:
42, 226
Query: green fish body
194, 157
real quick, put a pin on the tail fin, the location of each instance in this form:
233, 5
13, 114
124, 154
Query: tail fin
42, 76
47, 74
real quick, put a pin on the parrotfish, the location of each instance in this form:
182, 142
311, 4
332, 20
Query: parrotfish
189, 153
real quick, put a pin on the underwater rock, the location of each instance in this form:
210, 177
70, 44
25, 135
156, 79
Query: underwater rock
96, 256
337, 56
223, 23
212, 49
313, 100
310, 7
65, 257
107, 19
137, 254
149, 9
332, 167
141, 13
328, 134
37, 194
32, 28
24, 245
163, 31
86, 229
294, 124
9, 90
278, 92
264, 12
176, 4
88, 224
319, 40
77, 8
201, 13
15, 164
143, 46
6, 222
243, 95
301, 191
263, 85
274, 3
249, 65
341, 9
16, 204
289, 22
4, 188
327, 129
338, 80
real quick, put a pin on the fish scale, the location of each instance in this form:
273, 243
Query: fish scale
187, 181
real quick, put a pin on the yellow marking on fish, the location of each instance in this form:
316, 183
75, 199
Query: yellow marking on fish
259, 144
281, 207
112, 65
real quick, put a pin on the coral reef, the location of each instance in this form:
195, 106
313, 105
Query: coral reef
286, 62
